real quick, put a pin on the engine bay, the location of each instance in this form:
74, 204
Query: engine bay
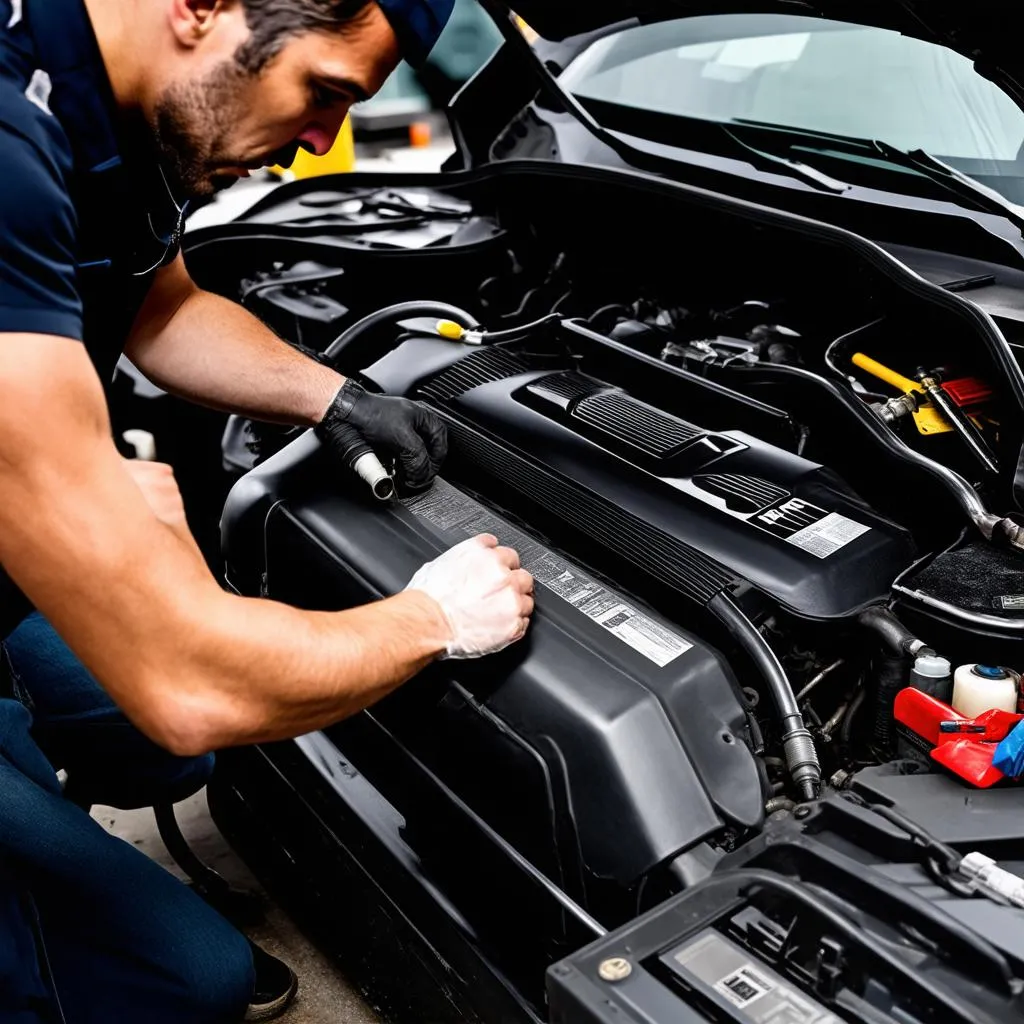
770, 484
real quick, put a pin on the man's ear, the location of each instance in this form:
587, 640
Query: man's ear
191, 20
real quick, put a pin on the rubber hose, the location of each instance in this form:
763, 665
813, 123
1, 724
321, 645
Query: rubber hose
398, 311
891, 678
801, 757
515, 333
895, 637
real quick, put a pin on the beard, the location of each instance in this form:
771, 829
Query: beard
190, 127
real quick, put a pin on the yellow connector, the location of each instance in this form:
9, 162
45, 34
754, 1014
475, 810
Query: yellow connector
927, 419
450, 329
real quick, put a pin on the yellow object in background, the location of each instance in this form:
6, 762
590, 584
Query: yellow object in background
341, 157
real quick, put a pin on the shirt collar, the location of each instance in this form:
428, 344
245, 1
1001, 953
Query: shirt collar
114, 177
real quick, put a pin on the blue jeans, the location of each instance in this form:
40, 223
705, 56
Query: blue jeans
81, 730
124, 939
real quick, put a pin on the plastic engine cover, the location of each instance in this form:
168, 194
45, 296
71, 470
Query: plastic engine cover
634, 725
695, 509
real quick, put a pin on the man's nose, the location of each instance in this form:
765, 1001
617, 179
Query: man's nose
318, 138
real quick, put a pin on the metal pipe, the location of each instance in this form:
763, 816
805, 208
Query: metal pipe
823, 674
960, 422
995, 528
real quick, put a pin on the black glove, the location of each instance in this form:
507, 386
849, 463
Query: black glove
405, 430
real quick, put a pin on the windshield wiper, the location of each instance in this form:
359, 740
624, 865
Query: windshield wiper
917, 161
987, 200
795, 168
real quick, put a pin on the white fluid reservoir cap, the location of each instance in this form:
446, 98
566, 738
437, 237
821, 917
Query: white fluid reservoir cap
980, 688
931, 666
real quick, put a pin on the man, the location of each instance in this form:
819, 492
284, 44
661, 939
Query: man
112, 113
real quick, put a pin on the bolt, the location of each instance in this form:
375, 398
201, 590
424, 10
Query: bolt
802, 811
615, 969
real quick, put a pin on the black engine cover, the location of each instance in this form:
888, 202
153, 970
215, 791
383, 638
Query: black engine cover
695, 509
630, 729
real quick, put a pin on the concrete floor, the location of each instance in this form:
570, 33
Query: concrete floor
324, 995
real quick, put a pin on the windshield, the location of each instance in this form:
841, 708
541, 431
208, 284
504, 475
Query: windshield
813, 75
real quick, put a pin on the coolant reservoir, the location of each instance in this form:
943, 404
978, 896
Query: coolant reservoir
979, 688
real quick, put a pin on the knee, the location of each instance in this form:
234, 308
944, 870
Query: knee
147, 779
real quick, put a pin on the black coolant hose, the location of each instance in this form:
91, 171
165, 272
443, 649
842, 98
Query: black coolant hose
895, 637
892, 670
797, 744
891, 676
398, 311
995, 528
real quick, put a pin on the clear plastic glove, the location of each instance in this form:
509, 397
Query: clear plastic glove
485, 596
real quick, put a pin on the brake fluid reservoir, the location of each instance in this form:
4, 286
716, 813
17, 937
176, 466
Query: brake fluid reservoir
932, 674
979, 688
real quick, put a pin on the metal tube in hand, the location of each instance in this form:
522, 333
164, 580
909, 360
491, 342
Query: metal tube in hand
357, 454
368, 466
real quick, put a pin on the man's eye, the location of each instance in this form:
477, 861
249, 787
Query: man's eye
326, 98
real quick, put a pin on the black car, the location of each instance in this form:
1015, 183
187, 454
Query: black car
737, 368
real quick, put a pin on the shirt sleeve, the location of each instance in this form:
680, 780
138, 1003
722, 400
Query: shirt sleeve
38, 292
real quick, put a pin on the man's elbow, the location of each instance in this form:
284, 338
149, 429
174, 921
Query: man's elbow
187, 724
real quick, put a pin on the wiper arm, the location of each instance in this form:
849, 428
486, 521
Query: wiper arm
917, 161
795, 168
931, 167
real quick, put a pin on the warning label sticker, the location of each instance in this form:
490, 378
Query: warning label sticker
809, 527
451, 510
759, 994
828, 535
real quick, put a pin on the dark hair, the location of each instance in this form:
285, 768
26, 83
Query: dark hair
273, 22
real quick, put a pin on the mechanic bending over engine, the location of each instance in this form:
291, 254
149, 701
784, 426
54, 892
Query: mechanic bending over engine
112, 114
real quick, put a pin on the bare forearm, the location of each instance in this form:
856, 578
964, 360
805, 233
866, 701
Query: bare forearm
266, 671
214, 352
193, 666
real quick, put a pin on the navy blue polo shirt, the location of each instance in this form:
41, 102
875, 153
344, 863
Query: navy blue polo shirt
86, 216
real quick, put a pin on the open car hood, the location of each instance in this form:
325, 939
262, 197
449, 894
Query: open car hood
980, 31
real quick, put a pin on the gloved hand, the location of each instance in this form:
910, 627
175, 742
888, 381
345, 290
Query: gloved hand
485, 596
398, 427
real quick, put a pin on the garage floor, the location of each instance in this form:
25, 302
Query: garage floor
324, 995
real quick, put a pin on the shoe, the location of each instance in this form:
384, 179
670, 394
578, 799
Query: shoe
275, 989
